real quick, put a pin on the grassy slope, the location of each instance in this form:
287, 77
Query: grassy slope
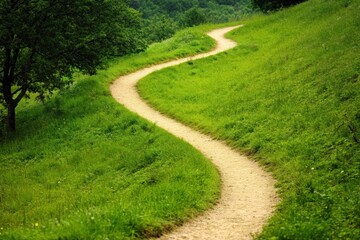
82, 167
290, 95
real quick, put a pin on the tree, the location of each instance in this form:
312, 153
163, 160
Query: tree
271, 5
193, 17
158, 28
42, 42
227, 2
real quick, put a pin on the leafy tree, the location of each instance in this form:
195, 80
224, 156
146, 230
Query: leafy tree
42, 42
193, 17
173, 6
271, 5
227, 2
158, 28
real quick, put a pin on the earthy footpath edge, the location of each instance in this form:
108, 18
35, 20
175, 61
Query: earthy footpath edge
248, 196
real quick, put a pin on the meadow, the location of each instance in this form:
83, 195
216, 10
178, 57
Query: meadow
289, 97
80, 166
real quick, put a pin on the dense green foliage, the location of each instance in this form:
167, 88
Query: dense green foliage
271, 5
176, 8
163, 18
43, 42
289, 94
83, 167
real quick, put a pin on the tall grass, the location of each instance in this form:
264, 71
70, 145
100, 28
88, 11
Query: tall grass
82, 167
289, 95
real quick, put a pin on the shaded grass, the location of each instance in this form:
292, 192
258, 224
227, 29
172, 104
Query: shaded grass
83, 167
289, 95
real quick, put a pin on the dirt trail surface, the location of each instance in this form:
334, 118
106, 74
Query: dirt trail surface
248, 196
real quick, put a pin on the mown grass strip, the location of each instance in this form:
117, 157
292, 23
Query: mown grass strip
82, 167
289, 95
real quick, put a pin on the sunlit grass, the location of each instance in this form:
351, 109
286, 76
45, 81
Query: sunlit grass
82, 167
289, 95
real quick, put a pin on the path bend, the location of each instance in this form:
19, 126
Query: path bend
248, 196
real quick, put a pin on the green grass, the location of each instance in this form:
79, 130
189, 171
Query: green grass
289, 95
82, 167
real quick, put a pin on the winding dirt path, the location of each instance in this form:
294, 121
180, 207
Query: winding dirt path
248, 195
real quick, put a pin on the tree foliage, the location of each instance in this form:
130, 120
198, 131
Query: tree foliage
158, 28
42, 42
193, 17
185, 13
271, 5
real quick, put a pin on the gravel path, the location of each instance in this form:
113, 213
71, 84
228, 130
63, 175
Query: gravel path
248, 195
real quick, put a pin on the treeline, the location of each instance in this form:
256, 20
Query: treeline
162, 18
272, 5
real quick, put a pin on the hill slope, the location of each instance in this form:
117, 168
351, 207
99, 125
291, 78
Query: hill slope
289, 94
83, 167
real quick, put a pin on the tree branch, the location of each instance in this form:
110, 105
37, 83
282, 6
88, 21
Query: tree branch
21, 95
16, 91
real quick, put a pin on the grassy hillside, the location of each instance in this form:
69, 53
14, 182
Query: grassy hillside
289, 95
83, 167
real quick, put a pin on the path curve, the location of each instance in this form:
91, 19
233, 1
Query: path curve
248, 196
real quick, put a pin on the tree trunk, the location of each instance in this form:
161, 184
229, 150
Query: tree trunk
11, 118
